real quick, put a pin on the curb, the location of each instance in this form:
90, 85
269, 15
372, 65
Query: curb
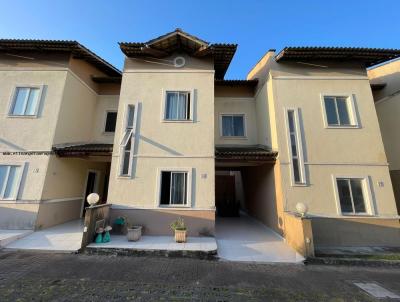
204, 255
351, 262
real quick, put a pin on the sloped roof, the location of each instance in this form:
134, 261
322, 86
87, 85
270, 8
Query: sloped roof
78, 51
165, 45
368, 56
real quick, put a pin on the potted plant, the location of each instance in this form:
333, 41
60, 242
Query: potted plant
179, 227
134, 232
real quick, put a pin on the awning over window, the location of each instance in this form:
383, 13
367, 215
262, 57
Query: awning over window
245, 153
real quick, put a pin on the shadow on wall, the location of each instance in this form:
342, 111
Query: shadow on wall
53, 213
337, 232
261, 195
18, 219
157, 222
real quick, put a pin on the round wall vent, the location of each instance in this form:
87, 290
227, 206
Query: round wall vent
179, 62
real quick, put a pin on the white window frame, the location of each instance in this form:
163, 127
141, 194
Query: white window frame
188, 187
18, 179
129, 132
164, 104
233, 114
351, 110
300, 156
105, 122
13, 100
366, 186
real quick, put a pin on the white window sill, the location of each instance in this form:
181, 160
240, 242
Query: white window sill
357, 215
177, 121
23, 116
108, 133
343, 127
234, 137
124, 177
300, 185
174, 207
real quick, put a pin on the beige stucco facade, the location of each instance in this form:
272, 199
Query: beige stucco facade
387, 104
70, 110
73, 112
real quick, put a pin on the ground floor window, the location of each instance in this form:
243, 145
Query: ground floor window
352, 195
174, 188
10, 176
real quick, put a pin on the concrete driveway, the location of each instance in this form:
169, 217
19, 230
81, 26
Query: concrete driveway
245, 239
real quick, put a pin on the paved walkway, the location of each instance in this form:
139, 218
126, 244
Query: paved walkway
76, 277
245, 239
66, 237
8, 236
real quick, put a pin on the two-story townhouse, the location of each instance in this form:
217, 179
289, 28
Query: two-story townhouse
385, 84
55, 97
300, 131
299, 135
324, 127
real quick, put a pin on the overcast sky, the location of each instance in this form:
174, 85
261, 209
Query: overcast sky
255, 25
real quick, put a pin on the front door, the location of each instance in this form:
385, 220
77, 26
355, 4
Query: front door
90, 188
225, 198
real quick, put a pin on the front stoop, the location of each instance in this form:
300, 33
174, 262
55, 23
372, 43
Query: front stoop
165, 246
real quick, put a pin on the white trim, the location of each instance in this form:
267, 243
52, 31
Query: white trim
299, 145
132, 133
188, 187
62, 199
104, 132
13, 100
190, 91
95, 189
367, 194
350, 100
221, 114
18, 180
320, 78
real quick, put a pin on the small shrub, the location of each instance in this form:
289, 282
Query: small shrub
178, 225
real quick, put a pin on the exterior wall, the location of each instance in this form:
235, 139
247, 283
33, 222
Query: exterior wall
157, 221
68, 113
356, 232
299, 234
104, 103
160, 144
238, 105
395, 177
263, 195
20, 134
345, 152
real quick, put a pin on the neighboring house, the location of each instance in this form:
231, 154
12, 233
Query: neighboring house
302, 129
53, 93
385, 84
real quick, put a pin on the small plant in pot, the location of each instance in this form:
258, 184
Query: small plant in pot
134, 232
179, 227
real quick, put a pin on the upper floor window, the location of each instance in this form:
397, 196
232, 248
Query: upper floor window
295, 147
10, 176
352, 195
232, 125
127, 143
339, 111
25, 101
111, 120
177, 106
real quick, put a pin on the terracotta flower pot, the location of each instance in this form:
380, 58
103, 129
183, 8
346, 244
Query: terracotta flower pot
134, 233
180, 236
